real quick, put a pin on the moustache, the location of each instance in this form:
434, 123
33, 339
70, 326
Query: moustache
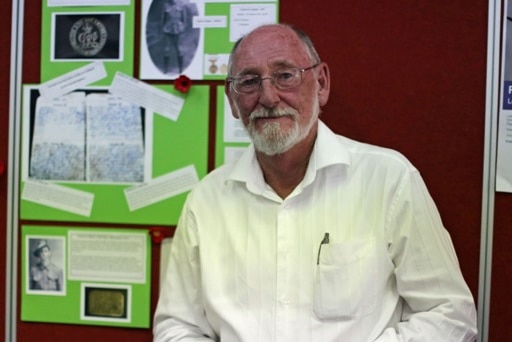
272, 113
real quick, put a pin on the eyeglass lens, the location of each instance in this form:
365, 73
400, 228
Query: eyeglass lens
282, 79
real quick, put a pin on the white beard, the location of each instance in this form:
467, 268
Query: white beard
272, 139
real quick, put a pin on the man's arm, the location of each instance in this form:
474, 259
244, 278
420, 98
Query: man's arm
179, 315
438, 305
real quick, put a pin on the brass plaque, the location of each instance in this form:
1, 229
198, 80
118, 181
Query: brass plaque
106, 302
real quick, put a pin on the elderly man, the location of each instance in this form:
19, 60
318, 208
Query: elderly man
308, 236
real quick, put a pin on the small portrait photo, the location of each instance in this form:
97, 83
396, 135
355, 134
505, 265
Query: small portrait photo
87, 36
170, 36
46, 265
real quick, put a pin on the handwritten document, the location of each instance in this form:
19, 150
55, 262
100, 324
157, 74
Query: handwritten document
115, 147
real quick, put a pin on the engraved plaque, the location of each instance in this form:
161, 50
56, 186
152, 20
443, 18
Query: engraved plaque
106, 302
88, 36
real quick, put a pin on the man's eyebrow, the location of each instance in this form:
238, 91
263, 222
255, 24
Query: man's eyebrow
248, 71
283, 64
278, 65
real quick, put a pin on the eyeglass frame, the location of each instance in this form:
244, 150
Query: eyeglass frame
230, 80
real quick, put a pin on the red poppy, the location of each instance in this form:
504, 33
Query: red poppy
182, 83
158, 234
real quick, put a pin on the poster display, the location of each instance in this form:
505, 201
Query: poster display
93, 276
195, 37
103, 143
93, 156
504, 152
74, 36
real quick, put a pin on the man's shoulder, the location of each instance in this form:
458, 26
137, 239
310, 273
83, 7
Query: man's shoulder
215, 178
370, 153
336, 148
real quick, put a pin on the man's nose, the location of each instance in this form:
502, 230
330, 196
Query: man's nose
269, 96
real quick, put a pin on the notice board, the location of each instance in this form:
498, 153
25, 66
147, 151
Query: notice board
405, 75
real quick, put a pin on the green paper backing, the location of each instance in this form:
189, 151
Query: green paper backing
51, 69
176, 144
66, 309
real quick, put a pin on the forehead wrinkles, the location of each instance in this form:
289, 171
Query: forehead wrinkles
273, 47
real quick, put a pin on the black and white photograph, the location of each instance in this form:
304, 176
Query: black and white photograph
46, 265
170, 37
87, 36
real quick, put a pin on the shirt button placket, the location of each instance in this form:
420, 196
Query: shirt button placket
282, 286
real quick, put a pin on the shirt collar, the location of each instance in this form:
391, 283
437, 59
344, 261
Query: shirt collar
328, 151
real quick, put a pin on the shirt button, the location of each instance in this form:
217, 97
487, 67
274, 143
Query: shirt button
285, 300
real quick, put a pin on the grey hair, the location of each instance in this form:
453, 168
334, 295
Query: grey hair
308, 43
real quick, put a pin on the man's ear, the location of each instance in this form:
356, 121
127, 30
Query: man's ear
229, 93
324, 82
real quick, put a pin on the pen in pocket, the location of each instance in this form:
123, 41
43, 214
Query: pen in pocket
324, 241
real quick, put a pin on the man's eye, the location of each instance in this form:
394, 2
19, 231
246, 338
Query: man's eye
249, 81
284, 75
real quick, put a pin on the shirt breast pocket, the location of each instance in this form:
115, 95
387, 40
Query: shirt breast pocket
345, 286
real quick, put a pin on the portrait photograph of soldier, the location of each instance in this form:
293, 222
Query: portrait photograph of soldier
171, 39
87, 36
46, 265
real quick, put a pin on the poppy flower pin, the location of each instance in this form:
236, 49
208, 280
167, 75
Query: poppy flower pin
182, 84
158, 234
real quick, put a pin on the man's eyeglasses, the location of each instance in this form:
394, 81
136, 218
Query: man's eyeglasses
281, 79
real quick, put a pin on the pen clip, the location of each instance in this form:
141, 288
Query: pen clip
324, 241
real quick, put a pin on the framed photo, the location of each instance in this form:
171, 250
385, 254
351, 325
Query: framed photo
46, 265
87, 36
